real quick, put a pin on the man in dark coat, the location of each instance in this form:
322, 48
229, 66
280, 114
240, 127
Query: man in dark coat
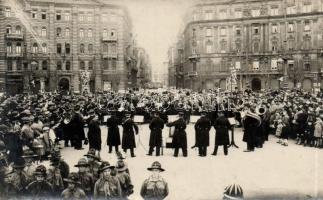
221, 126
113, 139
251, 123
179, 137
94, 133
202, 129
77, 128
128, 136
66, 127
156, 129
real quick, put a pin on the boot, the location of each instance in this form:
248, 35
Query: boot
215, 150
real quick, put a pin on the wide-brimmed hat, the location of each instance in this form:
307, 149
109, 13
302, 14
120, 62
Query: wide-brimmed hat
121, 166
73, 178
105, 165
233, 192
40, 170
156, 165
120, 156
82, 163
19, 163
29, 154
91, 153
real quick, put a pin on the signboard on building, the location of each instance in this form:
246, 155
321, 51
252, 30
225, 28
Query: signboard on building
106, 86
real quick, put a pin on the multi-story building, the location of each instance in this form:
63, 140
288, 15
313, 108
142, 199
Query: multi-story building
63, 44
265, 41
171, 66
144, 68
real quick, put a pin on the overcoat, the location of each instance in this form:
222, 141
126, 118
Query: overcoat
179, 137
113, 138
222, 127
128, 136
202, 130
156, 127
94, 135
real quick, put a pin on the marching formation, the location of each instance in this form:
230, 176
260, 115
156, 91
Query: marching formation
33, 126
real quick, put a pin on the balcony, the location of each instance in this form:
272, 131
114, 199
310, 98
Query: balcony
194, 57
14, 55
109, 38
109, 55
14, 36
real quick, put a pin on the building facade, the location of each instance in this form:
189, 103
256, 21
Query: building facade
143, 67
65, 45
270, 43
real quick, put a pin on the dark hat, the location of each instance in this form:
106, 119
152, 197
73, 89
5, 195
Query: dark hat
19, 163
26, 119
120, 156
105, 165
91, 153
91, 112
233, 192
77, 107
82, 163
121, 166
156, 165
73, 178
40, 170
29, 154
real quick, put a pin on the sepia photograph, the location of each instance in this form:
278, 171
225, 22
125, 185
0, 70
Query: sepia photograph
161, 99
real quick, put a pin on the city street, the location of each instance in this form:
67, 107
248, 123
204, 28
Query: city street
274, 170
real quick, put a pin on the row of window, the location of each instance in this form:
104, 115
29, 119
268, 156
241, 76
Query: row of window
210, 48
255, 30
9, 29
256, 12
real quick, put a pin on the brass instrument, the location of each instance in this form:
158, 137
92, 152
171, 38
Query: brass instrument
261, 110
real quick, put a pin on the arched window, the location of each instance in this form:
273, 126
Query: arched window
18, 30
68, 65
105, 48
67, 48
9, 47
67, 32
82, 48
90, 48
44, 32
105, 33
223, 46
274, 46
44, 65
256, 47
8, 29
18, 48
59, 65
209, 48
82, 65
58, 32
44, 47
35, 48
90, 33
90, 65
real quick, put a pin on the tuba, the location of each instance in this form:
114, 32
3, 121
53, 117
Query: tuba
261, 110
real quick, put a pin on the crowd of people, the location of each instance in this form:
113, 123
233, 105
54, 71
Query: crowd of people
33, 126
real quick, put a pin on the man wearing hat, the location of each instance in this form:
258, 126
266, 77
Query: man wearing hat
221, 126
73, 190
202, 136
156, 127
55, 178
107, 187
19, 177
39, 188
57, 161
113, 139
94, 133
27, 133
29, 156
77, 128
128, 136
124, 179
86, 179
179, 137
155, 187
93, 162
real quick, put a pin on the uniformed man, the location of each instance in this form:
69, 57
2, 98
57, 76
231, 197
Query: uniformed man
179, 137
221, 126
155, 187
86, 179
107, 187
113, 139
156, 129
124, 179
93, 162
73, 190
30, 158
128, 136
55, 178
202, 128
39, 188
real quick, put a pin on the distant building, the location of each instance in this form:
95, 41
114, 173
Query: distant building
264, 40
48, 45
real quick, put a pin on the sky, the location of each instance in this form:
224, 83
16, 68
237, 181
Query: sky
156, 24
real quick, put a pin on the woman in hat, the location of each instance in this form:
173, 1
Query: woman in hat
86, 179
155, 187
107, 187
73, 190
40, 188
124, 179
